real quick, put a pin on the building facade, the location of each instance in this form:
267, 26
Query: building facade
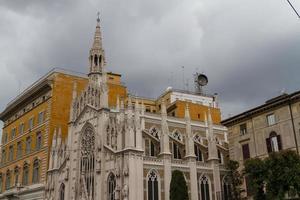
270, 127
127, 153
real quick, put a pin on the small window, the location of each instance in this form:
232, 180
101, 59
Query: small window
7, 181
25, 179
199, 116
246, 151
31, 123
38, 141
3, 159
13, 133
271, 119
28, 145
21, 128
243, 129
19, 149
11, 153
36, 172
41, 117
4, 138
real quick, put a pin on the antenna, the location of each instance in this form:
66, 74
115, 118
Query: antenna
293, 8
183, 77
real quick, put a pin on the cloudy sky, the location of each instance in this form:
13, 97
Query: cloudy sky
250, 49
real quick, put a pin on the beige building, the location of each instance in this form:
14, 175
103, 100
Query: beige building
270, 127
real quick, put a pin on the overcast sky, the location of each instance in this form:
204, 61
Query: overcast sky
250, 49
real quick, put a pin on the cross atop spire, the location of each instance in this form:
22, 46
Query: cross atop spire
97, 57
98, 18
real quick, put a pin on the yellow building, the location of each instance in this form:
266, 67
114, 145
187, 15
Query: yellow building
29, 122
176, 101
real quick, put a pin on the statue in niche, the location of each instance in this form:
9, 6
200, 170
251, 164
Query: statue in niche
125, 192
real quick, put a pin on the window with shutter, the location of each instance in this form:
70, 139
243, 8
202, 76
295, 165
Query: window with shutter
268, 143
246, 151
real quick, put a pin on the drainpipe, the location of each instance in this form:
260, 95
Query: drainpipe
294, 130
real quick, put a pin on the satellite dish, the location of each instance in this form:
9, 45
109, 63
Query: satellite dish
202, 80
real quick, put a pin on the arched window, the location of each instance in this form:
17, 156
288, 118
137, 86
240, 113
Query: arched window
204, 188
111, 186
87, 161
100, 60
36, 171
176, 151
7, 180
17, 173
62, 192
273, 142
226, 188
25, 179
198, 153
96, 60
152, 185
220, 156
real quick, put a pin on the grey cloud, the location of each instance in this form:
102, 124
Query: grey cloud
249, 49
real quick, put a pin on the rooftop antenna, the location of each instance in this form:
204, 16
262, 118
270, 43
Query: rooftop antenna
183, 77
293, 8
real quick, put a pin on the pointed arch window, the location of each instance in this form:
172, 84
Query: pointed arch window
226, 188
36, 171
111, 186
152, 185
62, 192
96, 60
198, 153
8, 180
87, 161
204, 188
25, 179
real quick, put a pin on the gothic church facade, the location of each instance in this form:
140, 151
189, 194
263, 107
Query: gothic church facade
125, 153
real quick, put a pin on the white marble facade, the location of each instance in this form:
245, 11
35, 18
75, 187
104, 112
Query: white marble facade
129, 154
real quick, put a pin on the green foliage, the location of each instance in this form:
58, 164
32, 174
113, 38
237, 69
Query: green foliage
178, 187
236, 179
255, 171
277, 175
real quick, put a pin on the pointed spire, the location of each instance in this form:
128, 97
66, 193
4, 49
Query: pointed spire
143, 108
163, 108
74, 92
97, 44
205, 119
129, 103
118, 103
59, 137
136, 106
97, 54
187, 112
54, 138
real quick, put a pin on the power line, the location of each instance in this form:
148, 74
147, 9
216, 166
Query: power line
293, 8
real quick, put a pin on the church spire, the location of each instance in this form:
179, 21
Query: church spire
96, 57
